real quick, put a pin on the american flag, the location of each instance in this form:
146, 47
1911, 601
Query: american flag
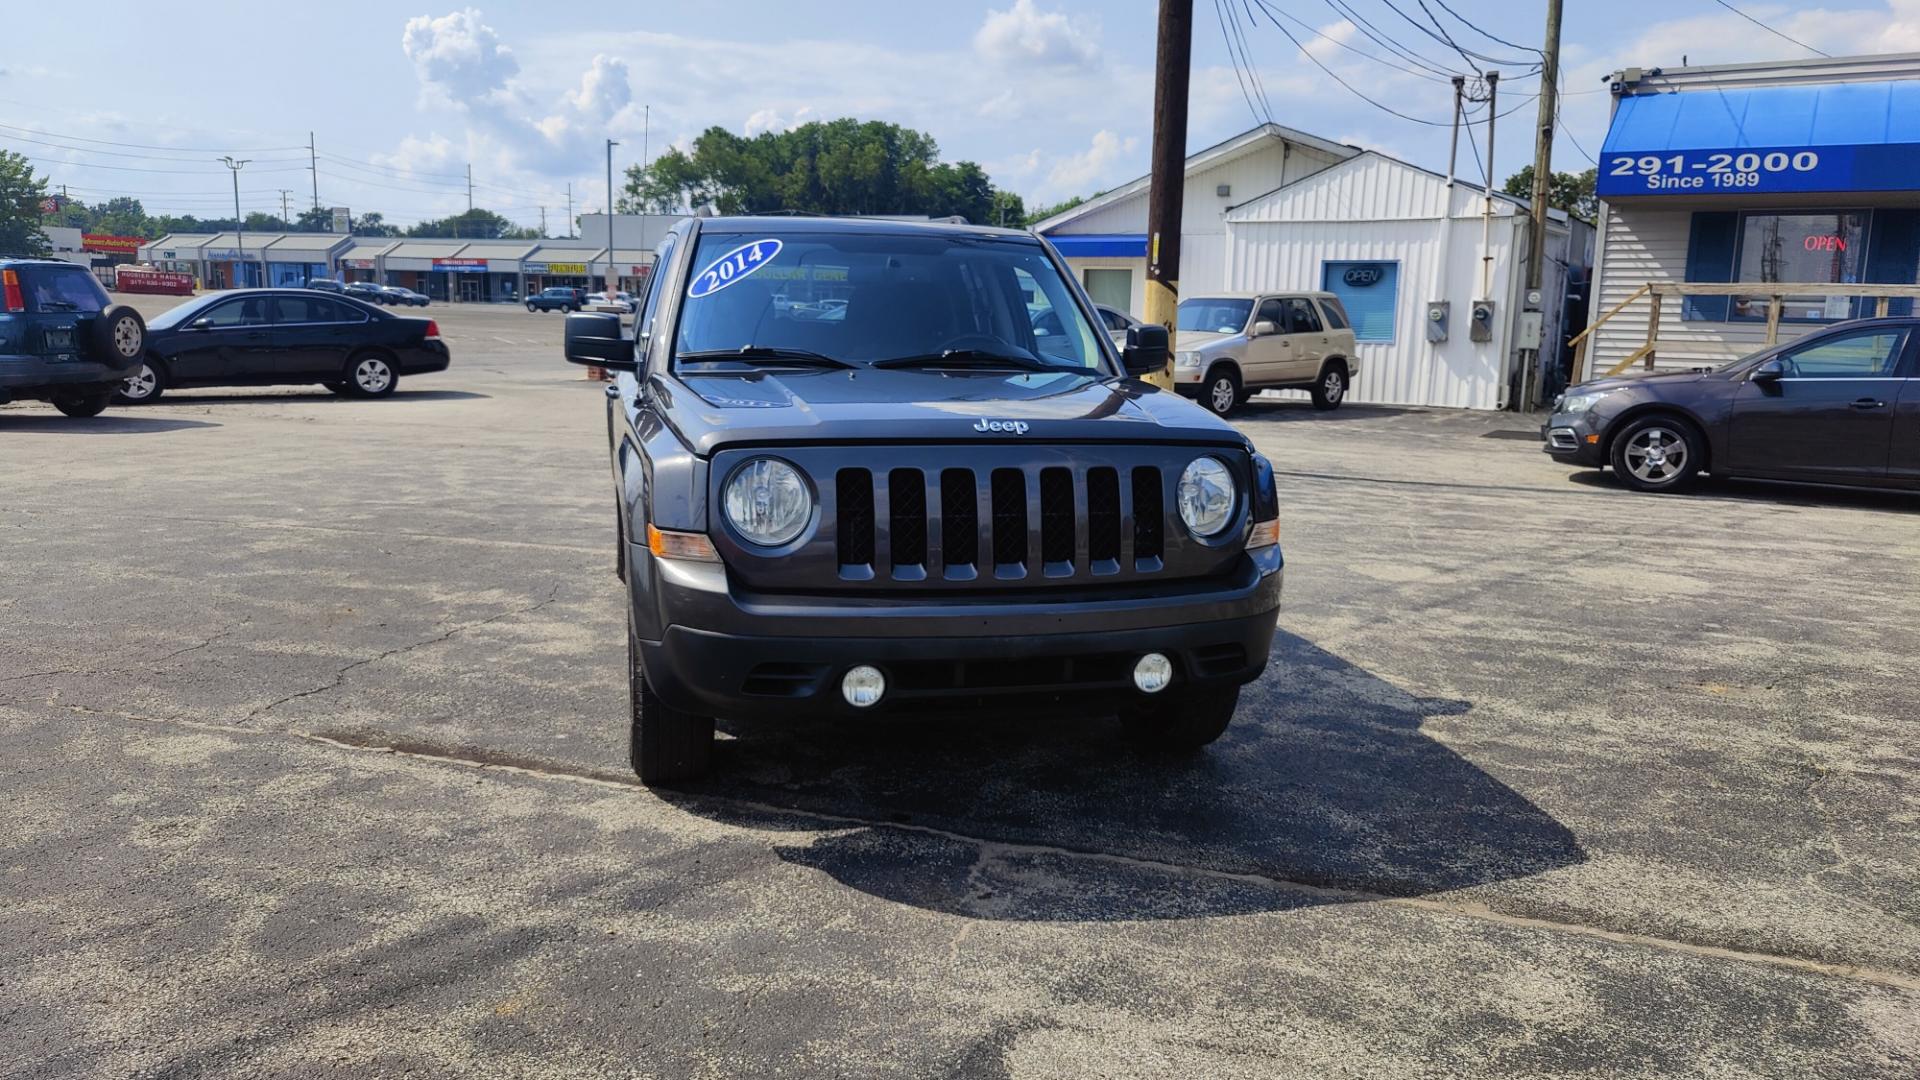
50, 204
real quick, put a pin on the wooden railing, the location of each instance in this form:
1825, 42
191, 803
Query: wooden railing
1775, 293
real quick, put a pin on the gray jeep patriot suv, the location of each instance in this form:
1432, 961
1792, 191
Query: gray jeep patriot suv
869, 465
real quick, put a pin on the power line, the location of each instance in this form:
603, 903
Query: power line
1771, 30
1446, 39
1253, 69
102, 153
1380, 38
1271, 11
1469, 24
1568, 132
153, 146
1226, 36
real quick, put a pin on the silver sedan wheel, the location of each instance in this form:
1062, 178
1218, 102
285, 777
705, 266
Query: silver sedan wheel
139, 386
1222, 395
1656, 455
372, 375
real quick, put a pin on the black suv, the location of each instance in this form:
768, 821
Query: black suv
61, 339
557, 298
957, 494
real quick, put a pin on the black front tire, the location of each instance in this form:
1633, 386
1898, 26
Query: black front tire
664, 743
531, 309
1330, 389
1221, 392
1184, 721
82, 404
1658, 454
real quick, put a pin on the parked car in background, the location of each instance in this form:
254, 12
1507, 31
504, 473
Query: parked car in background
1838, 406
399, 297
62, 340
1116, 321
366, 291
1233, 344
325, 284
261, 337
621, 300
556, 298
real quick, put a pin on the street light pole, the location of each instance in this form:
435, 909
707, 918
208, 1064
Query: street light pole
239, 224
612, 281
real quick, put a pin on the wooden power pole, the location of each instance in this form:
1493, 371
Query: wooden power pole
1530, 372
1173, 59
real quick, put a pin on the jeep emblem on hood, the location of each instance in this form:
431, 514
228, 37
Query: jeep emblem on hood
1014, 427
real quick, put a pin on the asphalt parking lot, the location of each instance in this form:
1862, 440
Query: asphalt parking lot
311, 736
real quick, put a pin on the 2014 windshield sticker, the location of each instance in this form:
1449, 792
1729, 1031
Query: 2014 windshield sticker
733, 266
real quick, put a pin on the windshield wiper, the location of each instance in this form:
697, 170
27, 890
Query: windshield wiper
750, 353
970, 358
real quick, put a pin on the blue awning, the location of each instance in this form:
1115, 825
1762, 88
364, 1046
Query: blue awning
1835, 137
1100, 245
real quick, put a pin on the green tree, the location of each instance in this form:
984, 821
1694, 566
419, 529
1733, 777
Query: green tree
259, 222
841, 166
1572, 192
314, 219
374, 224
1044, 212
21, 193
475, 224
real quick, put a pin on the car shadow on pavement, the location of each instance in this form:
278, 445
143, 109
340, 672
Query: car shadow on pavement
401, 394
1326, 780
113, 423
1774, 493
1284, 410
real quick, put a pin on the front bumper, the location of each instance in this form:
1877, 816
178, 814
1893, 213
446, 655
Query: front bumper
1574, 438
715, 653
23, 373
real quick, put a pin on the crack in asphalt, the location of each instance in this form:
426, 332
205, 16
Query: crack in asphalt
341, 675
493, 760
196, 647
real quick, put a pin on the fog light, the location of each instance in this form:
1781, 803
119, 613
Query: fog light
863, 686
1152, 673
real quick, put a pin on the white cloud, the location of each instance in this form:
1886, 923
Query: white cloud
1025, 34
1098, 166
458, 56
772, 120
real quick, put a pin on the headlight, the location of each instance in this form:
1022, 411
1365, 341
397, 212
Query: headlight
1186, 359
768, 502
1206, 496
1579, 403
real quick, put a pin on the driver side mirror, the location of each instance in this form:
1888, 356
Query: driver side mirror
1264, 327
200, 324
1146, 349
593, 338
1771, 371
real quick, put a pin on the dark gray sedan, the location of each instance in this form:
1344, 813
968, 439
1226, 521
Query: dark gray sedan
1839, 406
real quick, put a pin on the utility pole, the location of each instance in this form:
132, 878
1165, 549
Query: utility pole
569, 209
1486, 212
1530, 373
313, 166
1173, 59
285, 218
469, 187
543, 221
239, 224
613, 282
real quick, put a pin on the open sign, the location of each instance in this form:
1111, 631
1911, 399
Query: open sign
1362, 276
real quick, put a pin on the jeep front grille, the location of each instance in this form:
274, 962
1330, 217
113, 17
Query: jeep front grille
951, 519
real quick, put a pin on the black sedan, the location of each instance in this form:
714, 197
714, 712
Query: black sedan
365, 290
1839, 406
262, 337
396, 296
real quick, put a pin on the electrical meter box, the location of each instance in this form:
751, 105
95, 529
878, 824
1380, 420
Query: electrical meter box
1529, 331
1482, 328
1438, 313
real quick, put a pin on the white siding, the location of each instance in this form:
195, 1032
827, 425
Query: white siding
1646, 244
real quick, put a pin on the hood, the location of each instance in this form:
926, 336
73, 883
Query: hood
1648, 378
872, 405
1196, 340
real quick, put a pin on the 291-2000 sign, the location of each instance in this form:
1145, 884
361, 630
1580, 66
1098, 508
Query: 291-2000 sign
1716, 170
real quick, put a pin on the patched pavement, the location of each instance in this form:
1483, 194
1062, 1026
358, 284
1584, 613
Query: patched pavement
310, 713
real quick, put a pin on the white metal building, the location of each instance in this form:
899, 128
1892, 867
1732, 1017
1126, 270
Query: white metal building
1802, 171
1276, 209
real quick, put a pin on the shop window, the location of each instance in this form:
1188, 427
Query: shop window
1370, 293
1828, 248
1114, 288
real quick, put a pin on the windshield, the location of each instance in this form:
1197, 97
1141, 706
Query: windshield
863, 297
1214, 315
175, 315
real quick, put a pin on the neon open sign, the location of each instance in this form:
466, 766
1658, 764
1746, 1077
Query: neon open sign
1824, 243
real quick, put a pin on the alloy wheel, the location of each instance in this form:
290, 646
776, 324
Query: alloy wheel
140, 385
1656, 455
1223, 395
372, 375
1334, 384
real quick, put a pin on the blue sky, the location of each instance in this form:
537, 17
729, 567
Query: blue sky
1053, 97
